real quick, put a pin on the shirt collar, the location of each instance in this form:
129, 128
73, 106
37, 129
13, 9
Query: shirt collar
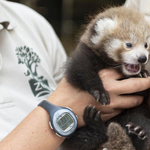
5, 20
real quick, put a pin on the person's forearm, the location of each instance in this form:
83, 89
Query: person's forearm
34, 132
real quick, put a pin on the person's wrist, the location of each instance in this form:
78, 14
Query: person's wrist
64, 102
67, 96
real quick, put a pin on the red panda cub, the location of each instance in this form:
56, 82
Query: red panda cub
117, 38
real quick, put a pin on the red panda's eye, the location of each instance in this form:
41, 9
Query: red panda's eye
146, 45
128, 45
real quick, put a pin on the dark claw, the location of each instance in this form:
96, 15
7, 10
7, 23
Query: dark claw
105, 100
87, 110
145, 75
139, 75
93, 112
130, 125
136, 129
96, 95
97, 116
142, 133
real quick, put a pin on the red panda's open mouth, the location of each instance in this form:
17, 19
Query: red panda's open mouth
132, 68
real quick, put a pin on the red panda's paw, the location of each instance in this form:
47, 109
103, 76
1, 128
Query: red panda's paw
92, 117
137, 130
101, 97
144, 74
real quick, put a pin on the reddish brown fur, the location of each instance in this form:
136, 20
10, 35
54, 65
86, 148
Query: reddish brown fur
117, 139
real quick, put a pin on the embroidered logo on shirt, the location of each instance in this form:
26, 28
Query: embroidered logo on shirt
38, 84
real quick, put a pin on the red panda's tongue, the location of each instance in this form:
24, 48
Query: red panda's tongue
132, 67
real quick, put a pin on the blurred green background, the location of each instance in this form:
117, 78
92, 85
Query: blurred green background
68, 16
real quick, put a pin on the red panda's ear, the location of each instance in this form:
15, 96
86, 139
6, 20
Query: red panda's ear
103, 27
132, 4
142, 5
147, 18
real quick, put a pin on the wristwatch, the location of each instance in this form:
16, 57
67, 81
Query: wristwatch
62, 119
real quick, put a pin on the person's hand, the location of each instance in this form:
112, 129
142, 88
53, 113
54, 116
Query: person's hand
116, 88
68, 96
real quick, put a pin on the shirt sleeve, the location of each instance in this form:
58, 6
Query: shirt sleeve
54, 48
59, 58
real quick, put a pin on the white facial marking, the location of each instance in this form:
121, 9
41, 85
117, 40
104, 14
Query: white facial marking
147, 18
102, 26
112, 46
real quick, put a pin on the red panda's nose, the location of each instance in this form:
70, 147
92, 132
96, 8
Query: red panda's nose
142, 59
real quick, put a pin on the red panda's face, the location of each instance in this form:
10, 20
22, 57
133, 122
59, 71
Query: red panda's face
131, 57
135, 58
124, 37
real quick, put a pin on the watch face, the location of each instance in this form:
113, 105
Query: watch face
65, 121
62, 119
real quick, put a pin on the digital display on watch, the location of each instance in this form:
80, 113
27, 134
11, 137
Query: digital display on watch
65, 121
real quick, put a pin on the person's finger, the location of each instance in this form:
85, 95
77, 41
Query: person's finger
104, 109
122, 102
106, 117
109, 74
126, 101
132, 85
